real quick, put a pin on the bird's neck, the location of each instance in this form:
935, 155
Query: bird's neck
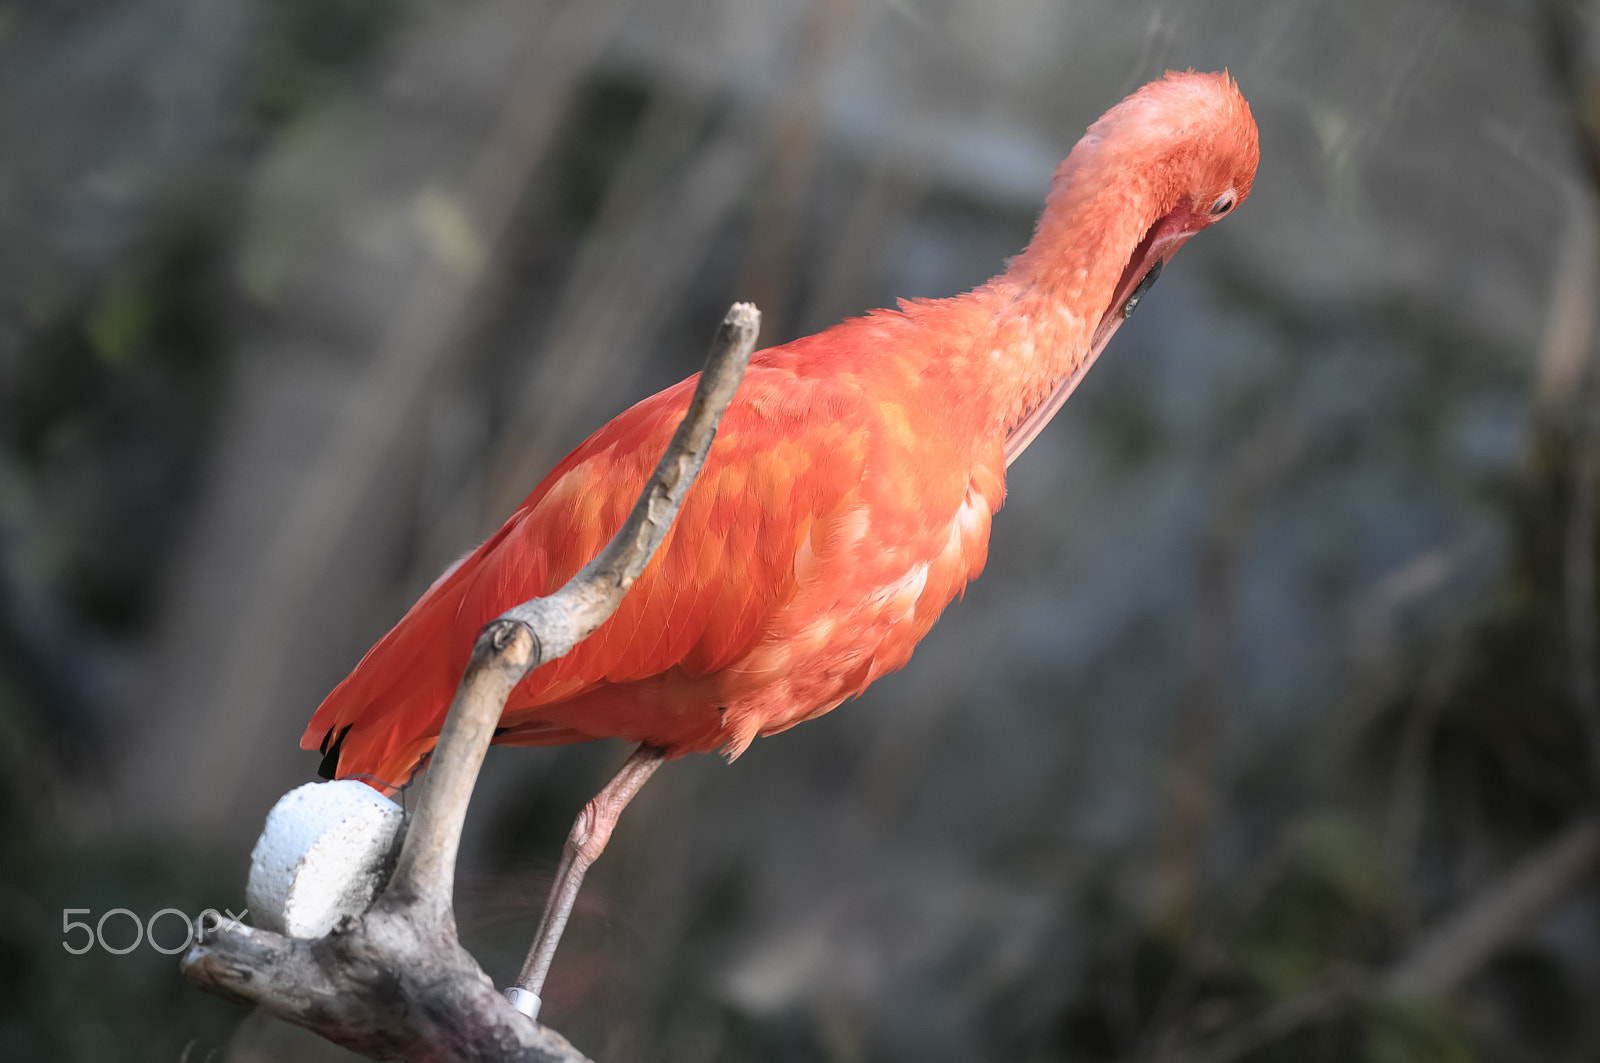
1030, 328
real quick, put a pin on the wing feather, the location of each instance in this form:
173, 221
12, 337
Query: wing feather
727, 567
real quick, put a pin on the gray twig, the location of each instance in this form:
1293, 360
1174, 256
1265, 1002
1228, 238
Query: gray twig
395, 982
1463, 941
1452, 951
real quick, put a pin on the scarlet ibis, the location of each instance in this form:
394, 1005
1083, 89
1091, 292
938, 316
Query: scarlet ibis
845, 503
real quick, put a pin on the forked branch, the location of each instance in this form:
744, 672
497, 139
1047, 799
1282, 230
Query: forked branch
395, 983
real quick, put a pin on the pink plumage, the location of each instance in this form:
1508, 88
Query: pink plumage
847, 498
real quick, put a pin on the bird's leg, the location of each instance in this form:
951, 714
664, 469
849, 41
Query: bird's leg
590, 832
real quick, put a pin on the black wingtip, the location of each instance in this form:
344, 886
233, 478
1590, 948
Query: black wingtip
329, 768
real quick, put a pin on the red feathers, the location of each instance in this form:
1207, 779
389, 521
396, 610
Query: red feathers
845, 502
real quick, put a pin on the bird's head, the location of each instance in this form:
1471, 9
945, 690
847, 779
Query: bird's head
1173, 158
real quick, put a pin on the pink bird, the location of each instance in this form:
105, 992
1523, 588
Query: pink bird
846, 502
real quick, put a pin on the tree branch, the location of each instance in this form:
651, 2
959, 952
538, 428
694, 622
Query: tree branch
395, 982
1466, 939
1456, 948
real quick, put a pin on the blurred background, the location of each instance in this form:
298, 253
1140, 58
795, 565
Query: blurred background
1270, 732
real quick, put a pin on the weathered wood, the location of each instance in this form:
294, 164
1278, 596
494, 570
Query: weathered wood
389, 985
396, 983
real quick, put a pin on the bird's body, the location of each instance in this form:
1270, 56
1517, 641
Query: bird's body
846, 501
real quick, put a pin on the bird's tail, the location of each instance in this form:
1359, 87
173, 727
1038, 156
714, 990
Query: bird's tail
381, 722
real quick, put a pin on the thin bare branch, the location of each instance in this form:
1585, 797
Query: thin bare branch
395, 982
1465, 940
425, 873
556, 624
1569, 323
571, 614
1456, 948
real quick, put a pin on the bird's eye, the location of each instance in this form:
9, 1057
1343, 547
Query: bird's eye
1223, 204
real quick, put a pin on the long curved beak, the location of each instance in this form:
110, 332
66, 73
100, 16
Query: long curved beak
1144, 265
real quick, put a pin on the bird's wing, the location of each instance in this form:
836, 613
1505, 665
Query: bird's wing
787, 454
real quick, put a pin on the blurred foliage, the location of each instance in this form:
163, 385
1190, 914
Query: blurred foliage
1508, 765
601, 130
313, 49
108, 401
101, 422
